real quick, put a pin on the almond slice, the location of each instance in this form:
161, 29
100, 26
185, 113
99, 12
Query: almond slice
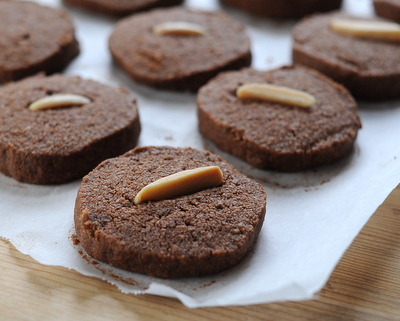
378, 30
181, 183
58, 100
179, 28
278, 94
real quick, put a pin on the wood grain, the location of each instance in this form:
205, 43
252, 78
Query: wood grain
364, 286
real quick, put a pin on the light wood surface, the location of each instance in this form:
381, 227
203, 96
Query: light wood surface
364, 286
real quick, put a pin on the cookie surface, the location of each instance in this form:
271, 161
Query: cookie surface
284, 8
274, 135
61, 144
179, 62
370, 69
33, 39
200, 233
121, 7
389, 9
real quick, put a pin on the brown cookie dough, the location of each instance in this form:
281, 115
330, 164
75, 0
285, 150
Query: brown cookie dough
33, 39
179, 62
274, 135
121, 7
200, 233
389, 9
370, 69
284, 8
61, 144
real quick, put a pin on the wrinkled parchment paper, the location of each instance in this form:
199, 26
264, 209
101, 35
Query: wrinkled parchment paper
312, 216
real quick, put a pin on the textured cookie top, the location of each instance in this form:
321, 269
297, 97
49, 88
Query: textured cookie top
156, 58
314, 36
121, 7
279, 128
64, 130
389, 9
284, 8
30, 34
214, 221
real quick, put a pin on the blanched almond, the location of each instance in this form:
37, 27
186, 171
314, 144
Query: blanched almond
58, 100
181, 183
378, 30
278, 94
179, 28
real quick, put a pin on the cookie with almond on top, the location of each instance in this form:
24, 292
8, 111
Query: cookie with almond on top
289, 119
361, 53
169, 212
56, 129
178, 48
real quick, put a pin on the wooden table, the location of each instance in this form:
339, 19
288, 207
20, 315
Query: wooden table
364, 286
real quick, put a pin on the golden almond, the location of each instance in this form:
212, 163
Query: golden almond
181, 183
277, 94
58, 100
377, 30
179, 28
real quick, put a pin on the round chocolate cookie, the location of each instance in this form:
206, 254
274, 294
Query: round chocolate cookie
179, 61
121, 7
189, 235
275, 135
34, 38
284, 8
61, 144
389, 9
370, 69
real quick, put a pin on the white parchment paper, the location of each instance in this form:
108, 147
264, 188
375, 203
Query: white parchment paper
312, 216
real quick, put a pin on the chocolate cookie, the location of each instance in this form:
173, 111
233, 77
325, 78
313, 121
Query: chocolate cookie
275, 135
370, 69
121, 7
189, 235
34, 38
61, 144
179, 61
284, 8
389, 9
